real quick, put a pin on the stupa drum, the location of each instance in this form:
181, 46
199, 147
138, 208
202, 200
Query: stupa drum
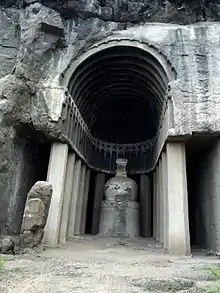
119, 209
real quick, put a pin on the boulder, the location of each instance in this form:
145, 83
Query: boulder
7, 245
41, 190
35, 214
31, 239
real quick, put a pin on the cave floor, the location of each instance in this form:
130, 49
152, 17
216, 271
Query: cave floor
95, 264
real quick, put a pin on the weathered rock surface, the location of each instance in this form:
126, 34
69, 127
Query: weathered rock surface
7, 245
9, 43
41, 190
35, 214
175, 11
31, 239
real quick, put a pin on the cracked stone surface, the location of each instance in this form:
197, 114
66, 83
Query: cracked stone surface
175, 11
94, 264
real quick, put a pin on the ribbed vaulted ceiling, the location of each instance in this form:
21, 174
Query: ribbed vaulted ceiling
120, 93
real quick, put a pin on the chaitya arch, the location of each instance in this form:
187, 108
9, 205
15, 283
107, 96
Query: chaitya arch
116, 110
117, 99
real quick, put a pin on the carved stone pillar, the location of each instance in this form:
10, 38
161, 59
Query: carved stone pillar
74, 198
145, 205
98, 197
67, 196
178, 222
56, 176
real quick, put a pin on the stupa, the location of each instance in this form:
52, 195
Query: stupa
120, 209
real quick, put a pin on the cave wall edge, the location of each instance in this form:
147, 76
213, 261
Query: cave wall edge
43, 44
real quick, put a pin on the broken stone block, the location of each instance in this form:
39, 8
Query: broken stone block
34, 215
31, 239
7, 245
41, 190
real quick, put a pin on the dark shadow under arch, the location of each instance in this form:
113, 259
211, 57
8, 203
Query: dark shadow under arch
120, 93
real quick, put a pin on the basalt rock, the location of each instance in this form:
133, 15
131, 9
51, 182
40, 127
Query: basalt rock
35, 214
175, 11
31, 239
7, 245
41, 190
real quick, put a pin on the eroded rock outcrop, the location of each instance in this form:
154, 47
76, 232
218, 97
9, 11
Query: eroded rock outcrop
7, 245
35, 214
136, 11
28, 39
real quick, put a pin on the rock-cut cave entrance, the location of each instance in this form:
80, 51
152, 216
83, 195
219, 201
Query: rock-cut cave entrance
120, 93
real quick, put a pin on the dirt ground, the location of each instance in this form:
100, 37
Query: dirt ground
94, 264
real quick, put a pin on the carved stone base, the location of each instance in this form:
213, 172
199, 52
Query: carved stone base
119, 219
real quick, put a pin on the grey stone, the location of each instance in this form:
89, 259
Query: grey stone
120, 187
9, 43
175, 11
119, 215
41, 190
34, 215
7, 245
28, 2
167, 285
31, 239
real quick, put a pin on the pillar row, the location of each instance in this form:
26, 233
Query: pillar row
161, 192
165, 200
158, 199
85, 202
158, 203
74, 198
79, 204
56, 176
67, 196
98, 197
155, 204
145, 205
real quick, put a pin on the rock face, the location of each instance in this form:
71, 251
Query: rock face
35, 214
135, 11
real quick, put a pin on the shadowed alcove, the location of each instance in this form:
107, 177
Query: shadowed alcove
120, 94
